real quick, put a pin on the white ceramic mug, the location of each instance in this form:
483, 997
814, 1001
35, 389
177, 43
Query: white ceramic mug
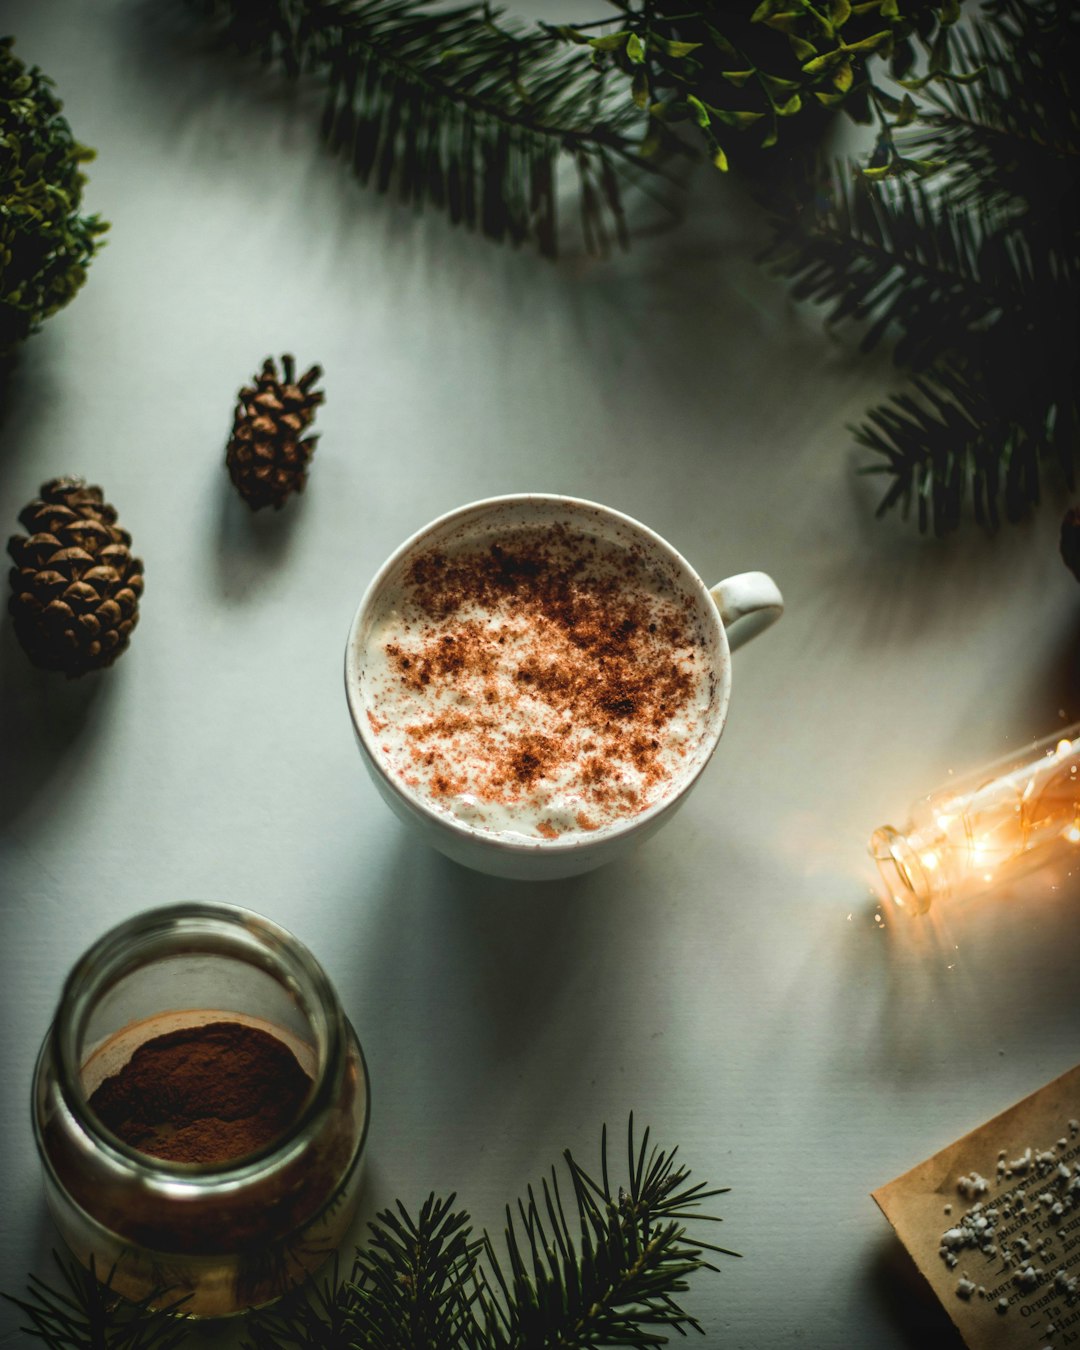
729, 614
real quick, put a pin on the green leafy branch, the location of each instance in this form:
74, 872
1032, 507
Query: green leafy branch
727, 72
45, 244
601, 1265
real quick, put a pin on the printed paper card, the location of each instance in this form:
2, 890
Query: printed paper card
993, 1222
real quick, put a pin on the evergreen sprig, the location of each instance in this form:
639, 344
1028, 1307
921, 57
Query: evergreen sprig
611, 1276
898, 259
605, 1267
457, 107
950, 439
973, 271
83, 1313
415, 1283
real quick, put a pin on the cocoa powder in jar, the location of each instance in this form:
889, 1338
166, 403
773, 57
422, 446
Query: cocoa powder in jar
207, 1094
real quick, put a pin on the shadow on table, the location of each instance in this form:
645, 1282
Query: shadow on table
40, 1249
908, 1301
891, 586
1059, 687
45, 716
507, 973
30, 381
250, 544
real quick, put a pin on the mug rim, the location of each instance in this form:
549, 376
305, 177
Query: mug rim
497, 840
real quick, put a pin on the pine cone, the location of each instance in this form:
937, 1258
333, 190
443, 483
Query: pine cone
267, 455
1070, 540
75, 585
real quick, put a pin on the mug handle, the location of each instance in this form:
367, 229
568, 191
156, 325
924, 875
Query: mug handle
748, 603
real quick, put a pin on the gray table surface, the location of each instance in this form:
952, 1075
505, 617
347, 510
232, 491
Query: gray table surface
737, 983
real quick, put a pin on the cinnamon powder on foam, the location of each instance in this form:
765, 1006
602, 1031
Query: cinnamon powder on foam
562, 661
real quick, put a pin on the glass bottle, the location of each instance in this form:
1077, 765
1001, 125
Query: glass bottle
224, 1236
1012, 816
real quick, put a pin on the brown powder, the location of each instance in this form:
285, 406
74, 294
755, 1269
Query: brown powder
204, 1094
605, 655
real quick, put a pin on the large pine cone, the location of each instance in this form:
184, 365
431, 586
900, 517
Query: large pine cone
267, 454
75, 585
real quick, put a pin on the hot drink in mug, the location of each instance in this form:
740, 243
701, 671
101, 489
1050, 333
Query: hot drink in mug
538, 680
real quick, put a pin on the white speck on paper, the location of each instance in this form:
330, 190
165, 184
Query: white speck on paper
971, 1187
1029, 1277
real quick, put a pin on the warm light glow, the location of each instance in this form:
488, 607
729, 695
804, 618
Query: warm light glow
997, 822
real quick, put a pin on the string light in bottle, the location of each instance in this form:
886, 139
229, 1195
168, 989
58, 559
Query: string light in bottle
1010, 817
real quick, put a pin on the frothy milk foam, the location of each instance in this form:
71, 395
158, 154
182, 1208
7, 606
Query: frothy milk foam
537, 680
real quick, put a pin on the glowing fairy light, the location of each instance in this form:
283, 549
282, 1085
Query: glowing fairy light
994, 824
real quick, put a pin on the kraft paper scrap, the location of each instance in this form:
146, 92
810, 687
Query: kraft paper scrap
1004, 1201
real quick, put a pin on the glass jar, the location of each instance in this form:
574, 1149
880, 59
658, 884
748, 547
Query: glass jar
222, 1236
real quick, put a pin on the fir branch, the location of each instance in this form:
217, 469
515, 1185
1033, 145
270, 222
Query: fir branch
321, 1313
457, 107
414, 1284
955, 438
616, 1283
84, 1313
607, 1270
892, 256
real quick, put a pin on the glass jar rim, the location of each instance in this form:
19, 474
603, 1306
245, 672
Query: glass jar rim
215, 929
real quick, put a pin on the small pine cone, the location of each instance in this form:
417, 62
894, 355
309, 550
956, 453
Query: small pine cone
267, 455
1070, 540
75, 585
